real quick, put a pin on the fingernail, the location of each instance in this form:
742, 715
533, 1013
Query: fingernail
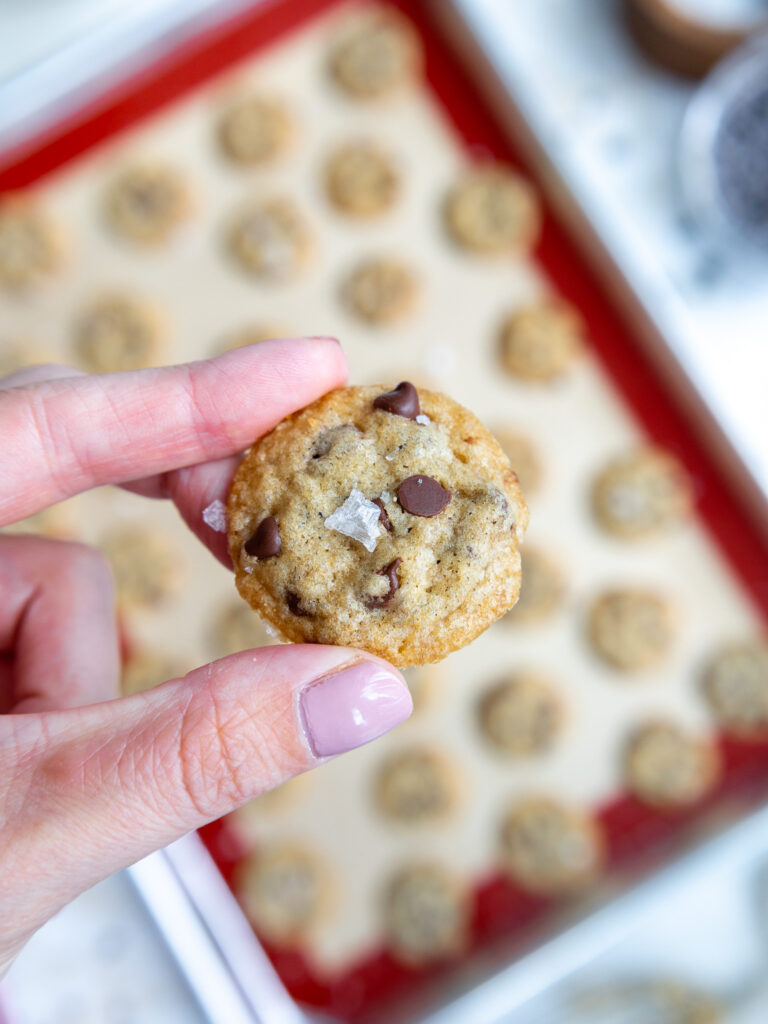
321, 337
352, 707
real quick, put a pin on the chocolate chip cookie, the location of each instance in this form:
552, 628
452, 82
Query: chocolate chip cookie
539, 343
668, 768
270, 239
494, 212
361, 179
147, 202
631, 629
283, 889
736, 687
520, 716
384, 520
255, 130
380, 291
644, 493
416, 786
118, 332
426, 910
30, 244
377, 55
548, 847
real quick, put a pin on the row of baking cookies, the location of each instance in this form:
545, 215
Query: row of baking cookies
543, 846
269, 239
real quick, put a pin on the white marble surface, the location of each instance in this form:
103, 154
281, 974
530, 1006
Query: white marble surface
100, 961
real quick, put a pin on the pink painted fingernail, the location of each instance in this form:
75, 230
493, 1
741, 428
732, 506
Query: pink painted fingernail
352, 707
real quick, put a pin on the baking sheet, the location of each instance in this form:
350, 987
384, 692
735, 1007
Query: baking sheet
577, 423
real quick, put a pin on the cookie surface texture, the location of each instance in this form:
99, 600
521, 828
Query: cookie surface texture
642, 494
426, 913
389, 521
377, 56
669, 768
736, 688
548, 847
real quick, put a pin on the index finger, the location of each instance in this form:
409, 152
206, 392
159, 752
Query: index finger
60, 437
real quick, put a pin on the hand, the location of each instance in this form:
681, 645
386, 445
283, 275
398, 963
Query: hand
89, 784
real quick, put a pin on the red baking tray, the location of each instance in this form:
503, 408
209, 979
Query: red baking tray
368, 990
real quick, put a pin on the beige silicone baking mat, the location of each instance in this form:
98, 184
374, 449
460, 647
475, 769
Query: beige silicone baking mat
576, 423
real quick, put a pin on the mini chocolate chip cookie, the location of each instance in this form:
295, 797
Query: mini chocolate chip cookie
520, 716
147, 668
361, 179
426, 911
283, 890
494, 212
118, 332
255, 130
735, 685
416, 786
380, 291
541, 590
539, 343
389, 521
523, 457
642, 494
668, 768
236, 627
270, 239
549, 848
377, 56
147, 202
631, 629
30, 244
146, 566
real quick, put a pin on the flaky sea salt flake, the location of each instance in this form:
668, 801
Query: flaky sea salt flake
357, 518
422, 419
215, 516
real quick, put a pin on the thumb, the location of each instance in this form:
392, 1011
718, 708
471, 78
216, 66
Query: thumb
93, 789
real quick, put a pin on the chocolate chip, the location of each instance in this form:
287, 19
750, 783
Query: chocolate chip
394, 585
422, 496
383, 516
293, 601
265, 543
401, 401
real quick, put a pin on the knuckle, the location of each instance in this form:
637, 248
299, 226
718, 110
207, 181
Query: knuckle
216, 754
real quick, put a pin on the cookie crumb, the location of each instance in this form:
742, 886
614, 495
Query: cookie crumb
357, 518
215, 516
